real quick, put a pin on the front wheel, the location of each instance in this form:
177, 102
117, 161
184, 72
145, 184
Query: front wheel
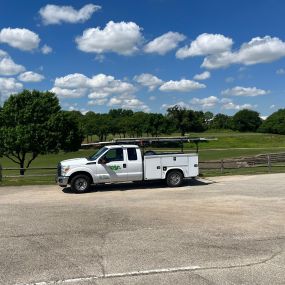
80, 183
174, 178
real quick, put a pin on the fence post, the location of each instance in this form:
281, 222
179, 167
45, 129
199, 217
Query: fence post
222, 166
269, 162
1, 172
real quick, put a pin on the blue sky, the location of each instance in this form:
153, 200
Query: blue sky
220, 56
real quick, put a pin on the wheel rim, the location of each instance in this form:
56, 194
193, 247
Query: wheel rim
175, 178
81, 184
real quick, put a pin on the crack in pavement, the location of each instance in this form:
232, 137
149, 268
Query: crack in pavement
150, 272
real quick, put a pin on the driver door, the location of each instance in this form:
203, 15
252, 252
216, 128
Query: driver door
111, 167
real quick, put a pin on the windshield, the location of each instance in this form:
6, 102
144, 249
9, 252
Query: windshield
97, 154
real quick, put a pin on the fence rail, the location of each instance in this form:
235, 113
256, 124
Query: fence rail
265, 161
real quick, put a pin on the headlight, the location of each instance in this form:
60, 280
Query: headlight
64, 169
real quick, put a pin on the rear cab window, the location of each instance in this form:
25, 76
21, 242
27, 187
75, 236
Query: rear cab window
132, 154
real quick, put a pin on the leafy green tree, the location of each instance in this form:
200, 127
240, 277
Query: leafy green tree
221, 121
32, 124
246, 121
138, 123
275, 123
179, 117
155, 124
208, 118
196, 121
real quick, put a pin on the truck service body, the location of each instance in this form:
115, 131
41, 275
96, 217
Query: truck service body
123, 163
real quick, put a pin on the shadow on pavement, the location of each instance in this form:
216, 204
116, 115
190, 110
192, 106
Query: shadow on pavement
136, 186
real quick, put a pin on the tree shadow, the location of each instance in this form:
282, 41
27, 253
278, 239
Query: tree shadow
137, 186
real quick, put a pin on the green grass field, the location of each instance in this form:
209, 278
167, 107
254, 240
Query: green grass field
227, 145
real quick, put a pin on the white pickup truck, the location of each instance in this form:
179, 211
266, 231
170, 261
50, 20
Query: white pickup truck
122, 163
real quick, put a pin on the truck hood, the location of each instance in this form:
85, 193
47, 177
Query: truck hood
74, 161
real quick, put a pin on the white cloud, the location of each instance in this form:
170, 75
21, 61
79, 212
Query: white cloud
97, 87
8, 66
97, 102
22, 39
69, 92
228, 104
46, 49
184, 85
257, 50
180, 104
122, 38
202, 76
75, 80
148, 80
152, 98
244, 91
280, 71
128, 102
164, 43
30, 76
9, 86
206, 44
272, 106
53, 14
205, 103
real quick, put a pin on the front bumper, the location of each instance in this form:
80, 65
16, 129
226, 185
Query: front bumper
62, 180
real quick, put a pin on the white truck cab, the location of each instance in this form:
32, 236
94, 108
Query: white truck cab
122, 163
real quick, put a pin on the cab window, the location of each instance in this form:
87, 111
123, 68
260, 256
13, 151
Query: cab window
115, 154
132, 154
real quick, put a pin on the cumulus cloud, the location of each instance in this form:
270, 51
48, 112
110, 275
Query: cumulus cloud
30, 76
164, 43
54, 14
244, 91
228, 104
257, 50
184, 85
148, 80
122, 38
46, 49
128, 102
202, 76
205, 103
8, 66
97, 87
22, 39
205, 44
9, 86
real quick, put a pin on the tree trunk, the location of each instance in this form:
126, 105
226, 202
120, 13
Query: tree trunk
22, 170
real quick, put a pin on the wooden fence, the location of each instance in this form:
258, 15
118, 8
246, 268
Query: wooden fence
264, 161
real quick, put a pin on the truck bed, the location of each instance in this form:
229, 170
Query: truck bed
156, 166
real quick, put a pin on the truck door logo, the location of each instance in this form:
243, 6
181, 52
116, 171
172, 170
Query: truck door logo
115, 167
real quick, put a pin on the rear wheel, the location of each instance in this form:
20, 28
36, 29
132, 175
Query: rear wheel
80, 183
174, 178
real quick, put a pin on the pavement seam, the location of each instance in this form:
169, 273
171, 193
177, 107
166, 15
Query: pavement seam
149, 272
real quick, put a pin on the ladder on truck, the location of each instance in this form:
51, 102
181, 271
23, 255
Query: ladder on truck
148, 141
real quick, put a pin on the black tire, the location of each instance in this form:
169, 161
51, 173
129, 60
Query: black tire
80, 183
174, 178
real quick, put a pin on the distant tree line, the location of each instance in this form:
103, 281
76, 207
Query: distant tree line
126, 123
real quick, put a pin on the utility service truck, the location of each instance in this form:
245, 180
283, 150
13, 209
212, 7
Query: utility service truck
117, 162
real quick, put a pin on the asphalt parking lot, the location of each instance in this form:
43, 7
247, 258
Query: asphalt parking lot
227, 230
